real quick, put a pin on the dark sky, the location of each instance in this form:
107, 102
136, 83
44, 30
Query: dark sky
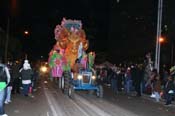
112, 27
133, 24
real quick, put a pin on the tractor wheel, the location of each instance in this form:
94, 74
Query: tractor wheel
59, 83
66, 85
100, 91
62, 82
66, 82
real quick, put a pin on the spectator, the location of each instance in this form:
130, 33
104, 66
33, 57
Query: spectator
128, 80
26, 76
157, 88
169, 90
114, 82
16, 78
35, 78
136, 77
154, 74
4, 80
9, 88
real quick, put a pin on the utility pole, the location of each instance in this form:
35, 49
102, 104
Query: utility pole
159, 23
11, 8
7, 41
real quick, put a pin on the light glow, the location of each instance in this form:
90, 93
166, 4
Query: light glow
26, 32
43, 69
161, 40
80, 77
93, 77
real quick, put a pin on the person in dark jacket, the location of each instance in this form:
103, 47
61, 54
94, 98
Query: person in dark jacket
114, 82
135, 75
15, 76
26, 76
35, 78
169, 90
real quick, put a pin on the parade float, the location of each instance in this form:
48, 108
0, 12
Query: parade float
71, 46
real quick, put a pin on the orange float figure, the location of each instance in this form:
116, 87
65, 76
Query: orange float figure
69, 35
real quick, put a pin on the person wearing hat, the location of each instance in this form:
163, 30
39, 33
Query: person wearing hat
26, 77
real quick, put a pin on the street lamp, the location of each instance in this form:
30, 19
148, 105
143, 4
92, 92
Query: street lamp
161, 40
26, 32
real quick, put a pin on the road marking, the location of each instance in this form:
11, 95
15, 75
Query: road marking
85, 114
50, 105
16, 111
99, 111
48, 114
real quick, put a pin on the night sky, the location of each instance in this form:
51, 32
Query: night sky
121, 29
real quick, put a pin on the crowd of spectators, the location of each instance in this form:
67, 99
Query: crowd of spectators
136, 78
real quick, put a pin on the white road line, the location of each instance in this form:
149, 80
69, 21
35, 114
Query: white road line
48, 114
50, 105
99, 111
79, 108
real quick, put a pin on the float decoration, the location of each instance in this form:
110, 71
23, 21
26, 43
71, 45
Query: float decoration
91, 59
72, 44
55, 63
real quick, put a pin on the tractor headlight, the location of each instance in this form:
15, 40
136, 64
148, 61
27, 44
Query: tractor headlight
80, 77
93, 77
43, 69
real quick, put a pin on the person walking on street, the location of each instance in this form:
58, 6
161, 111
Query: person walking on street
4, 80
16, 83
26, 76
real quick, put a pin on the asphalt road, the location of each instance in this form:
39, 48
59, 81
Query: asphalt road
49, 101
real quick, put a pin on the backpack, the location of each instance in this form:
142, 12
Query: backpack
3, 77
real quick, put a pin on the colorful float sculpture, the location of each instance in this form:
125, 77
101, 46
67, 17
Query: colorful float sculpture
71, 43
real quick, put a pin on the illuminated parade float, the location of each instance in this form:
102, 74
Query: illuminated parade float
69, 61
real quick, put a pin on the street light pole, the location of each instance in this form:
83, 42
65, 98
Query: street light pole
7, 41
158, 44
12, 4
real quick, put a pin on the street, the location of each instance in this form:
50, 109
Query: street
50, 101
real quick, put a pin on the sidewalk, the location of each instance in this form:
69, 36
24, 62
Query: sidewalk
146, 96
162, 101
